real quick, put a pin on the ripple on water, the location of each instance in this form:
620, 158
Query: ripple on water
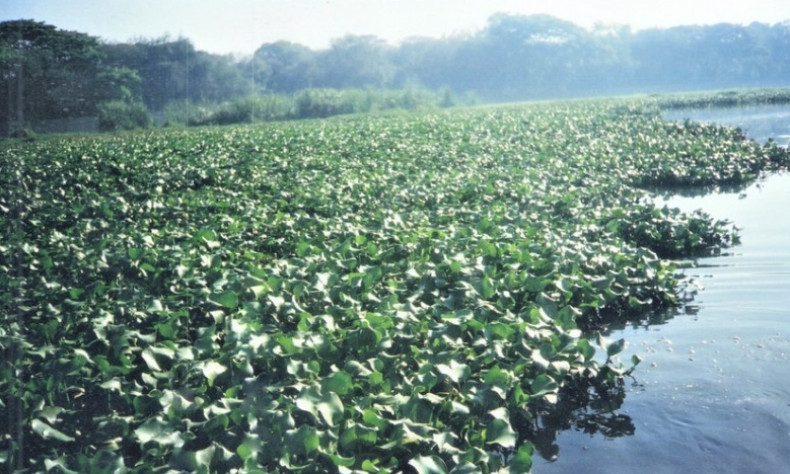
712, 393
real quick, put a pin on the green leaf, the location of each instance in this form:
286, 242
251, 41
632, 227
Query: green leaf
82, 354
156, 306
466, 468
458, 317
371, 418
167, 330
535, 284
112, 384
50, 413
543, 384
151, 430
246, 450
287, 345
208, 237
303, 440
135, 253
205, 456
47, 432
340, 383
227, 299
51, 464
356, 436
341, 461
428, 465
586, 349
75, 293
488, 248
211, 370
499, 430
487, 289
615, 347
148, 356
326, 407
158, 431
522, 461
497, 377
454, 371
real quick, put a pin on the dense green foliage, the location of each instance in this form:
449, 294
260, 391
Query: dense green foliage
122, 115
512, 58
526, 57
370, 294
308, 103
173, 70
49, 73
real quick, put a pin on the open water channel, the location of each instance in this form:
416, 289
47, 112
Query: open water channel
712, 394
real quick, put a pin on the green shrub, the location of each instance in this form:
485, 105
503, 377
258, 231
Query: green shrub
236, 111
305, 104
180, 112
25, 134
272, 107
247, 109
319, 103
120, 115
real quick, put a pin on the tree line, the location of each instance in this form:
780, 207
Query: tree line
51, 73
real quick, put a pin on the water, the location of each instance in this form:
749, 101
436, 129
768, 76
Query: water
760, 122
713, 391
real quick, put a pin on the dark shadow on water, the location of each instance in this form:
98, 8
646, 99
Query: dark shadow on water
665, 192
580, 407
650, 318
594, 409
591, 407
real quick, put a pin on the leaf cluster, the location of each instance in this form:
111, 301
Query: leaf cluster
374, 294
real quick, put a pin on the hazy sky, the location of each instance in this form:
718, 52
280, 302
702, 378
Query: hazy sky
241, 26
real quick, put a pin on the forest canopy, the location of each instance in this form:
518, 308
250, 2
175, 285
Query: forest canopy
51, 73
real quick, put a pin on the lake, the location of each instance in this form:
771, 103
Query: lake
712, 393
760, 122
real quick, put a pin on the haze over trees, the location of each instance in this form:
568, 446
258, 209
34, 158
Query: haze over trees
50, 73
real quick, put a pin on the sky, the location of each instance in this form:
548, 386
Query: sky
240, 26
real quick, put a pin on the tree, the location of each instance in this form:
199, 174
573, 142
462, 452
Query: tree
214, 78
119, 83
46, 73
425, 62
778, 58
173, 70
284, 67
355, 61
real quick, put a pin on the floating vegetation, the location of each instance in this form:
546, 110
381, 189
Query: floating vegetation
408, 293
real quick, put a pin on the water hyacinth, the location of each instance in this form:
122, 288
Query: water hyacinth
370, 294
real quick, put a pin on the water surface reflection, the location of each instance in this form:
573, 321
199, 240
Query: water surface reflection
712, 393
760, 122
